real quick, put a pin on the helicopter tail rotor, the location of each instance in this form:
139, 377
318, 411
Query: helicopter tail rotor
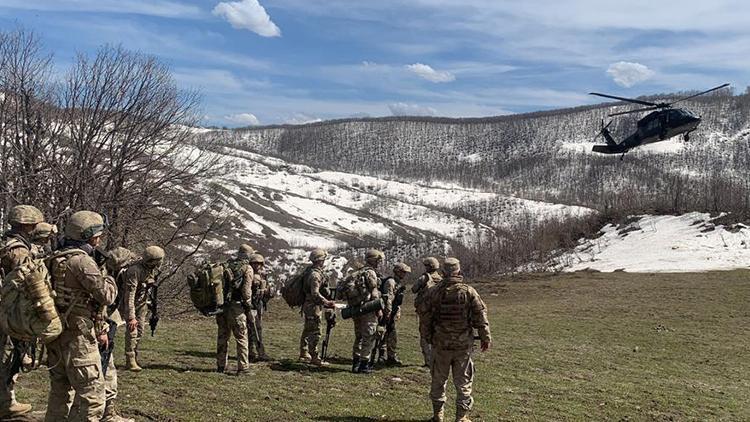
604, 132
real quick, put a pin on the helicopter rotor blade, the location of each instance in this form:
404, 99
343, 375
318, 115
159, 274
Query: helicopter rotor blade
638, 110
701, 93
630, 100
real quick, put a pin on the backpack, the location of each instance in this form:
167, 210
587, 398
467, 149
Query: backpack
353, 287
293, 290
27, 310
118, 261
207, 288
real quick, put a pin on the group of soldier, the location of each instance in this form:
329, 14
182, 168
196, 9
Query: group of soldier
85, 285
83, 384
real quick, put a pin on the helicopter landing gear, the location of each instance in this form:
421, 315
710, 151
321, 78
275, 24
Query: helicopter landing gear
622, 157
686, 136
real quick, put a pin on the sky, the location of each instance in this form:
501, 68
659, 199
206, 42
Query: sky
258, 62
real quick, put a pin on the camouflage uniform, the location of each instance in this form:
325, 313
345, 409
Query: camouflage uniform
232, 321
136, 282
366, 285
424, 283
455, 311
255, 319
388, 289
314, 284
15, 248
81, 290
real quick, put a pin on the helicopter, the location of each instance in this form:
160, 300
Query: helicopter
662, 123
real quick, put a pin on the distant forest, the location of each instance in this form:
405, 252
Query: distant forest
523, 155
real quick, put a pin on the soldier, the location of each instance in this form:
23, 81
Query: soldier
233, 319
41, 239
15, 248
455, 310
255, 317
315, 285
389, 289
365, 287
424, 283
80, 292
136, 282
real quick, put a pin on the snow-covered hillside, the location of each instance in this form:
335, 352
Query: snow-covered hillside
685, 243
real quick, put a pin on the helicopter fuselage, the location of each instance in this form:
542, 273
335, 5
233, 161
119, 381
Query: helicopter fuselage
654, 127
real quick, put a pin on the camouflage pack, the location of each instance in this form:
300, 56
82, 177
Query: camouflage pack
207, 288
27, 310
293, 290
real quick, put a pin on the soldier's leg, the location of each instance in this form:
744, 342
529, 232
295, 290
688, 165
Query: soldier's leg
141, 312
424, 345
251, 328
391, 343
312, 331
222, 339
463, 377
370, 330
439, 370
60, 396
259, 326
238, 324
357, 349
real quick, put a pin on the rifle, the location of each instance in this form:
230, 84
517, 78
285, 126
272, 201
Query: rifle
106, 352
330, 323
389, 324
153, 307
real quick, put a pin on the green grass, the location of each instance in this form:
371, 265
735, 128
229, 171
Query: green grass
584, 346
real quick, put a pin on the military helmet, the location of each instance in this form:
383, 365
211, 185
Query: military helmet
257, 258
318, 255
84, 225
452, 264
25, 214
374, 254
431, 263
245, 250
402, 267
153, 253
43, 231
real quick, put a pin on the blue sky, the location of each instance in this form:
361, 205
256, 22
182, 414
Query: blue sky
294, 61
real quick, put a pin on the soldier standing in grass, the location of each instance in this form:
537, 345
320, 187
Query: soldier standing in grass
233, 320
81, 290
455, 311
15, 248
137, 281
315, 285
426, 281
358, 288
255, 317
389, 288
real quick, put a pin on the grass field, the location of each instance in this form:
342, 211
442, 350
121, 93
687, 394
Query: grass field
582, 346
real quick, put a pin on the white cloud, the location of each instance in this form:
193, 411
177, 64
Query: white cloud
248, 14
404, 109
426, 72
628, 74
301, 119
248, 119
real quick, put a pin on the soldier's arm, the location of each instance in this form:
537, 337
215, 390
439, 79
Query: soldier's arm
479, 319
419, 284
102, 289
130, 285
247, 287
389, 294
16, 256
315, 282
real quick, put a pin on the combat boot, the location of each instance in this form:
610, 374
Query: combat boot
130, 363
394, 361
16, 411
364, 367
355, 365
437, 412
462, 415
220, 369
304, 356
112, 415
315, 360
